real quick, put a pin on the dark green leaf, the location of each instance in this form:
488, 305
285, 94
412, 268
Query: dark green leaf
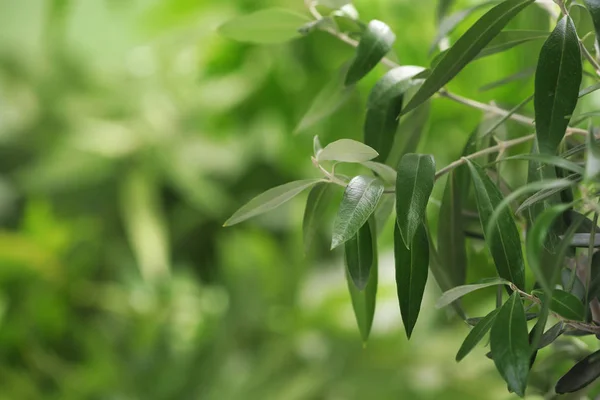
476, 334
409, 134
363, 301
572, 283
375, 43
592, 164
315, 212
459, 291
272, 25
467, 48
269, 200
566, 305
594, 8
380, 127
509, 342
347, 150
551, 335
547, 159
557, 80
393, 85
360, 200
505, 242
416, 176
582, 374
359, 256
412, 267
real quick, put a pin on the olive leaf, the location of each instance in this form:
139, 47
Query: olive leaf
268, 26
375, 42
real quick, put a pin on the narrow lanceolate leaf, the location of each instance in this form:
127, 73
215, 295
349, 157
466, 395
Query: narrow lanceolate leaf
360, 200
442, 8
551, 335
347, 150
594, 8
567, 305
509, 342
557, 81
363, 301
409, 133
315, 212
549, 159
416, 176
456, 293
476, 334
270, 200
375, 43
393, 85
380, 127
588, 90
359, 255
385, 172
504, 243
467, 48
592, 164
333, 95
524, 74
412, 267
581, 375
272, 25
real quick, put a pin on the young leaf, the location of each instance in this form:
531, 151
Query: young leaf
375, 43
360, 200
393, 85
509, 342
582, 374
270, 200
333, 95
380, 127
272, 25
557, 80
385, 172
412, 267
505, 242
316, 146
416, 176
359, 256
459, 291
467, 48
592, 164
347, 150
363, 301
476, 334
315, 211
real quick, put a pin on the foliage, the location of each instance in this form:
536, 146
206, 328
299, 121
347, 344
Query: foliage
562, 181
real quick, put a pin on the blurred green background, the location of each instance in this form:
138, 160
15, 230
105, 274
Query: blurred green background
129, 132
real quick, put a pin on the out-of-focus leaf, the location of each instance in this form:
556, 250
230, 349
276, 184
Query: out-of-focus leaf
588, 90
272, 25
334, 4
577, 289
315, 212
467, 48
443, 6
385, 172
416, 176
547, 159
359, 256
578, 119
316, 146
331, 97
270, 200
347, 150
412, 267
459, 291
581, 375
381, 125
592, 164
509, 342
384, 210
363, 301
557, 80
551, 335
526, 73
376, 41
505, 242
476, 334
393, 84
552, 189
409, 134
594, 8
360, 200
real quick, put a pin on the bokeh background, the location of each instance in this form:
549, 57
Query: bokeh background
129, 132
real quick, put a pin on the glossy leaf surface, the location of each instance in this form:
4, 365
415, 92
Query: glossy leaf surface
376, 41
476, 334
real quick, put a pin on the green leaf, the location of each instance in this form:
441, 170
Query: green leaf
557, 80
384, 210
547, 159
565, 304
476, 334
509, 342
467, 48
272, 25
315, 212
316, 146
593, 7
592, 164
442, 8
380, 127
363, 301
581, 375
270, 200
359, 256
331, 97
393, 85
412, 267
505, 242
416, 176
551, 335
456, 293
588, 90
385, 172
360, 200
375, 42
550, 191
524, 74
409, 134
334, 4
347, 150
